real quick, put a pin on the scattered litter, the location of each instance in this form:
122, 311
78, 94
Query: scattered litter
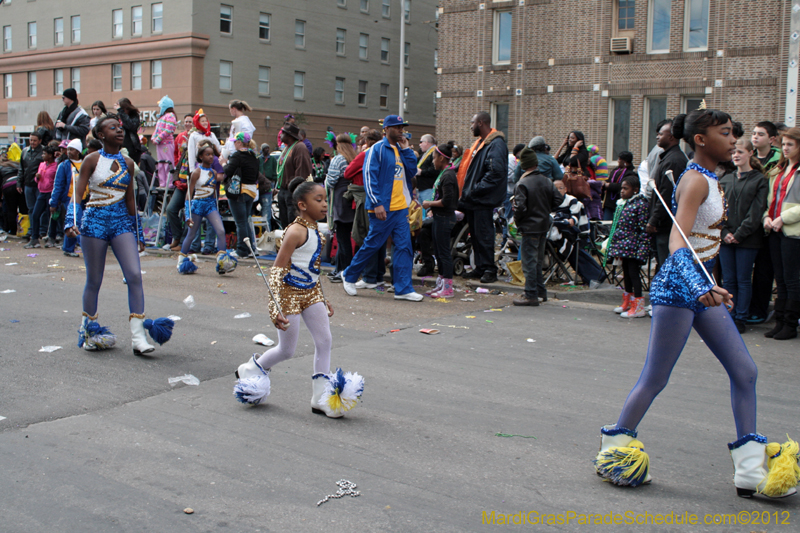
449, 326
531, 340
393, 330
4, 249
467, 299
243, 315
481, 290
564, 306
10, 264
2, 418
441, 300
491, 310
490, 321
509, 435
174, 318
63, 279
14, 321
263, 340
7, 291
223, 292
33, 255
188, 510
429, 331
213, 342
189, 301
66, 311
563, 300
186, 378
470, 316
50, 349
55, 266
345, 489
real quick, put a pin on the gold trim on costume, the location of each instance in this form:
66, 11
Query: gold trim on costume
136, 315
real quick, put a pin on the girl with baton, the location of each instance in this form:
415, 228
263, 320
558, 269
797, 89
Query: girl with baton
111, 219
294, 281
684, 296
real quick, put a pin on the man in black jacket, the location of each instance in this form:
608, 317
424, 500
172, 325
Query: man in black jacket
484, 173
535, 197
672, 158
73, 122
28, 167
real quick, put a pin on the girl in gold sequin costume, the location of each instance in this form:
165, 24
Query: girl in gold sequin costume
294, 280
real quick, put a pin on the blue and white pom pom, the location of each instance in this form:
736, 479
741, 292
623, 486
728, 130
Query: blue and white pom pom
226, 263
342, 391
160, 329
252, 389
185, 266
97, 337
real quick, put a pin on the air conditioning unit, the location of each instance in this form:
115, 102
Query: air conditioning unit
621, 45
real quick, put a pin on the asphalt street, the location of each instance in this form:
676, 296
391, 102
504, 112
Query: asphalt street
99, 442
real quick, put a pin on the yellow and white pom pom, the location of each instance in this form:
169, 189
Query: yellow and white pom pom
783, 471
342, 391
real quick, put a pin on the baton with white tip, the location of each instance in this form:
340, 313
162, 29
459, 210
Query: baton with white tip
246, 240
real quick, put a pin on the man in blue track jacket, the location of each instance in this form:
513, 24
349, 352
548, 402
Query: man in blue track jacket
389, 167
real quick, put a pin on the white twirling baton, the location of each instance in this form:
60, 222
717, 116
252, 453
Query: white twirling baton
675, 222
246, 240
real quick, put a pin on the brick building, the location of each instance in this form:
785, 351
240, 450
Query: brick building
545, 67
334, 63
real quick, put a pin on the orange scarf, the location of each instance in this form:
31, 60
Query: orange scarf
466, 160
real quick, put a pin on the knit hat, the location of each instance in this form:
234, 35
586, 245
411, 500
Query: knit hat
528, 159
76, 144
71, 93
164, 104
537, 141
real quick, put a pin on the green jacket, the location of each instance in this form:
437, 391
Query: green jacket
790, 209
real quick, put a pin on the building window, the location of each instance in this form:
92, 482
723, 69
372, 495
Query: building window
363, 46
58, 81
655, 112
7, 86
620, 130
690, 103
436, 59
136, 21
625, 13
362, 93
136, 76
386, 8
225, 19
75, 76
299, 34
385, 50
659, 26
500, 118
263, 81
155, 74
263, 26
435, 102
407, 11
157, 14
340, 37
58, 37
501, 38
299, 85
406, 52
31, 35
341, 3
365, 6
75, 23
116, 77
338, 91
696, 25
225, 75
384, 96
116, 24
6, 38
31, 84
405, 99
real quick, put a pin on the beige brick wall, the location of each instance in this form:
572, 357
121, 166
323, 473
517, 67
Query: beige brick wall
564, 44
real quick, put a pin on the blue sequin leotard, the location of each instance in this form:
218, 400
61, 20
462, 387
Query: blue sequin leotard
204, 200
106, 214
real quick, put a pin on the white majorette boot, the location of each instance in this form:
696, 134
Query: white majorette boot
138, 337
253, 382
622, 459
226, 263
749, 475
92, 336
334, 394
185, 264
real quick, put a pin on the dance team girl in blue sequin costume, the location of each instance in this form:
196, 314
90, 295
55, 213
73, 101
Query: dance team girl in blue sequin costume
683, 298
294, 280
201, 201
110, 219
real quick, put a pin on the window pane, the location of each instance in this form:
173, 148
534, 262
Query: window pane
136, 19
59, 31
386, 8
384, 95
657, 110
31, 35
136, 76
363, 46
58, 79
622, 122
7, 86
299, 85
625, 14
407, 10
263, 80
362, 92
225, 19
76, 80
659, 37
299, 34
339, 90
501, 118
340, 41
6, 38
698, 24
155, 74
31, 84
116, 16
158, 17
263, 26
364, 5
503, 37
225, 72
76, 29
